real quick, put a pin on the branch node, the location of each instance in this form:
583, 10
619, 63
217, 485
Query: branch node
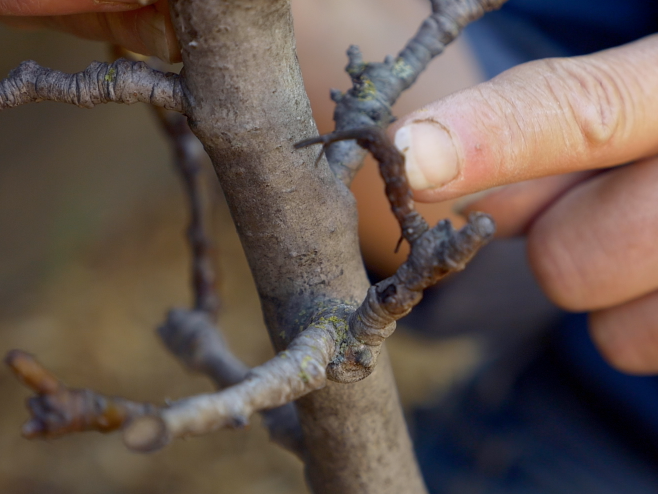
376, 86
146, 434
121, 81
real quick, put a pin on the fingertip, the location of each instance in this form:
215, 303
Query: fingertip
627, 335
154, 31
619, 346
444, 148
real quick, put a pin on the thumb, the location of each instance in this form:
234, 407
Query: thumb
542, 118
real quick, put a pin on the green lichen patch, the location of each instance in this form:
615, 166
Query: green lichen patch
303, 375
111, 75
402, 69
356, 69
366, 90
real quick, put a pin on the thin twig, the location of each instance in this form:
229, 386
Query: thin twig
376, 86
435, 252
196, 341
57, 410
122, 81
188, 154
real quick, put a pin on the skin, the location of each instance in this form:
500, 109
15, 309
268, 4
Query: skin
544, 131
144, 29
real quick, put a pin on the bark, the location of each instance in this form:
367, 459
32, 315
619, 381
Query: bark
376, 86
244, 97
122, 81
297, 223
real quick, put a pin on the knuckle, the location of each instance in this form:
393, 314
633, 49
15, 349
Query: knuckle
593, 97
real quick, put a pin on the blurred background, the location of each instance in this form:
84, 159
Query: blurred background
92, 255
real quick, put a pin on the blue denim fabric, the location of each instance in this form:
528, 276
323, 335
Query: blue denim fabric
530, 29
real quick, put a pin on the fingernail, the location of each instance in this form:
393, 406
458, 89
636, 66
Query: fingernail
152, 30
431, 158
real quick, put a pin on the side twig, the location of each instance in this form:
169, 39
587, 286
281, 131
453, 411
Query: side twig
57, 409
193, 336
376, 86
197, 342
122, 81
188, 153
434, 253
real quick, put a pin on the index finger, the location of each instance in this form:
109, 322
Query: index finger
542, 118
66, 7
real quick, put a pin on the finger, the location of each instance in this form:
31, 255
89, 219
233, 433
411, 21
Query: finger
65, 7
627, 335
147, 31
516, 206
542, 118
596, 246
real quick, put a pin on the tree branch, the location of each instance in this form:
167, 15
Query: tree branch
376, 86
291, 374
193, 338
121, 81
434, 254
187, 159
58, 410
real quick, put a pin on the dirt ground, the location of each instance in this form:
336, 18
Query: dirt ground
92, 255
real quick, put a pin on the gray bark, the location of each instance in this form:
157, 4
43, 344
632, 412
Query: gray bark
297, 224
243, 94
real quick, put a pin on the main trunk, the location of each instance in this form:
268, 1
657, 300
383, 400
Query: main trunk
297, 224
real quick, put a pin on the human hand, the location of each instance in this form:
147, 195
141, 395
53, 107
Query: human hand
592, 236
142, 26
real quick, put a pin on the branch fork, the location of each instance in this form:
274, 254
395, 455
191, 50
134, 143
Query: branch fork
343, 341
376, 86
435, 253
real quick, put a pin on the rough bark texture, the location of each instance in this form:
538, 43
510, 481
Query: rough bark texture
376, 86
122, 81
297, 224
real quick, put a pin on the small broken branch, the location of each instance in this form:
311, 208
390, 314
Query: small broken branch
376, 86
58, 410
121, 81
